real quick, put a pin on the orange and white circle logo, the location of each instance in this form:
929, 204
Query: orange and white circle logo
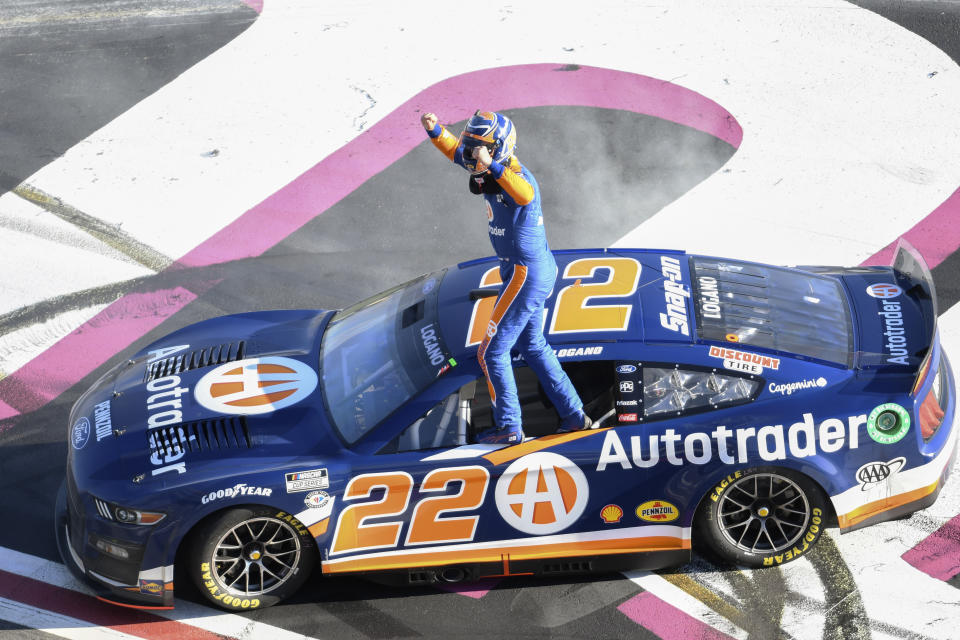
255, 385
884, 291
542, 493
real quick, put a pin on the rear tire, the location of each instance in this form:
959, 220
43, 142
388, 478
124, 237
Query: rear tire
248, 558
762, 517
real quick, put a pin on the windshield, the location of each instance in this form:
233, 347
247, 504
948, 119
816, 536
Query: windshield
772, 307
381, 352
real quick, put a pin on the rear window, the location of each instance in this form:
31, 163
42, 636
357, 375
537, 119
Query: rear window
774, 308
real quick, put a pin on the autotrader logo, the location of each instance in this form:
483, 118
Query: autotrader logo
256, 385
883, 290
542, 493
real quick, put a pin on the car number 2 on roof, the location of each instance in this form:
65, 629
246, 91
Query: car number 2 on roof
572, 311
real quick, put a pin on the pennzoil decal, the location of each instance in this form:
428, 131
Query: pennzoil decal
657, 511
256, 385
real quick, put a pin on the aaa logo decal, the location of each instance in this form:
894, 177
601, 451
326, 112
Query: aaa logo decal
256, 385
542, 493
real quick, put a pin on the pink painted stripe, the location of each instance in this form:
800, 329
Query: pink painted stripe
935, 237
454, 99
665, 620
938, 555
135, 622
256, 5
475, 590
342, 172
86, 348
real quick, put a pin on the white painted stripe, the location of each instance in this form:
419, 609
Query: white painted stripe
681, 533
466, 451
40, 242
200, 616
684, 601
56, 624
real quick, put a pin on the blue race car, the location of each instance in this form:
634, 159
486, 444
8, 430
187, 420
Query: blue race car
740, 406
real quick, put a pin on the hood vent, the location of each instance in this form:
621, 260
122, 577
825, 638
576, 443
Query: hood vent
208, 356
204, 435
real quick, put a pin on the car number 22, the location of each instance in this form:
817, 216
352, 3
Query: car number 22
571, 312
355, 533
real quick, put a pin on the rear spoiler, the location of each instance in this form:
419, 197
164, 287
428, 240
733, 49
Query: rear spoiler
909, 265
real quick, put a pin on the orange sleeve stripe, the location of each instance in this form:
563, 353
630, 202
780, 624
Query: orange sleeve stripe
509, 294
446, 142
515, 185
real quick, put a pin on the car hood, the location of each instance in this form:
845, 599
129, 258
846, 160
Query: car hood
192, 405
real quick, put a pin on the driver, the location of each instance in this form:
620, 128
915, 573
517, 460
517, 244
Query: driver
527, 268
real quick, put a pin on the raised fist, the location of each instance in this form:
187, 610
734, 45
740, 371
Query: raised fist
429, 121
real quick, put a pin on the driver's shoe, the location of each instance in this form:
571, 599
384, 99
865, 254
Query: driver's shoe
576, 422
506, 435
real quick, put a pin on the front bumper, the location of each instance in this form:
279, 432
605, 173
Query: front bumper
150, 589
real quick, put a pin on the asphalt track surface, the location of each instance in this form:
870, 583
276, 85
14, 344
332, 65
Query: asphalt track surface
69, 68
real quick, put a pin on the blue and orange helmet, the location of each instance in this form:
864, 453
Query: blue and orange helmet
492, 130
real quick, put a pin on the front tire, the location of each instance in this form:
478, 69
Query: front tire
249, 558
762, 517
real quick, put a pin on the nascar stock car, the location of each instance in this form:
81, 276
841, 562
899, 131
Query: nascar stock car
739, 406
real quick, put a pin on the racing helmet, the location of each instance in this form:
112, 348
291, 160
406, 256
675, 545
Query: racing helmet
487, 129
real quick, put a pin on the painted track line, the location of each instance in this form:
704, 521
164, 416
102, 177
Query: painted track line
56, 623
938, 555
692, 615
48, 589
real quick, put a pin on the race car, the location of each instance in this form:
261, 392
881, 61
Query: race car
737, 406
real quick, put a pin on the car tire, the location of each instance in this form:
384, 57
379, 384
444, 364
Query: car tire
762, 517
250, 558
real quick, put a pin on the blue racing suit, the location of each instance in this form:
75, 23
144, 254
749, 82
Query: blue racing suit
528, 271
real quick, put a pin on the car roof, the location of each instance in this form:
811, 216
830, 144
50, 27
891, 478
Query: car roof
634, 276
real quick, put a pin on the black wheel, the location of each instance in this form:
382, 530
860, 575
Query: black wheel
762, 517
248, 558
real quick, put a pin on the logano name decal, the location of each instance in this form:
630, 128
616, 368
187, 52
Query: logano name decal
709, 297
675, 294
431, 345
733, 446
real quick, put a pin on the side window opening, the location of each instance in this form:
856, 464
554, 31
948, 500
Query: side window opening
446, 424
456, 419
